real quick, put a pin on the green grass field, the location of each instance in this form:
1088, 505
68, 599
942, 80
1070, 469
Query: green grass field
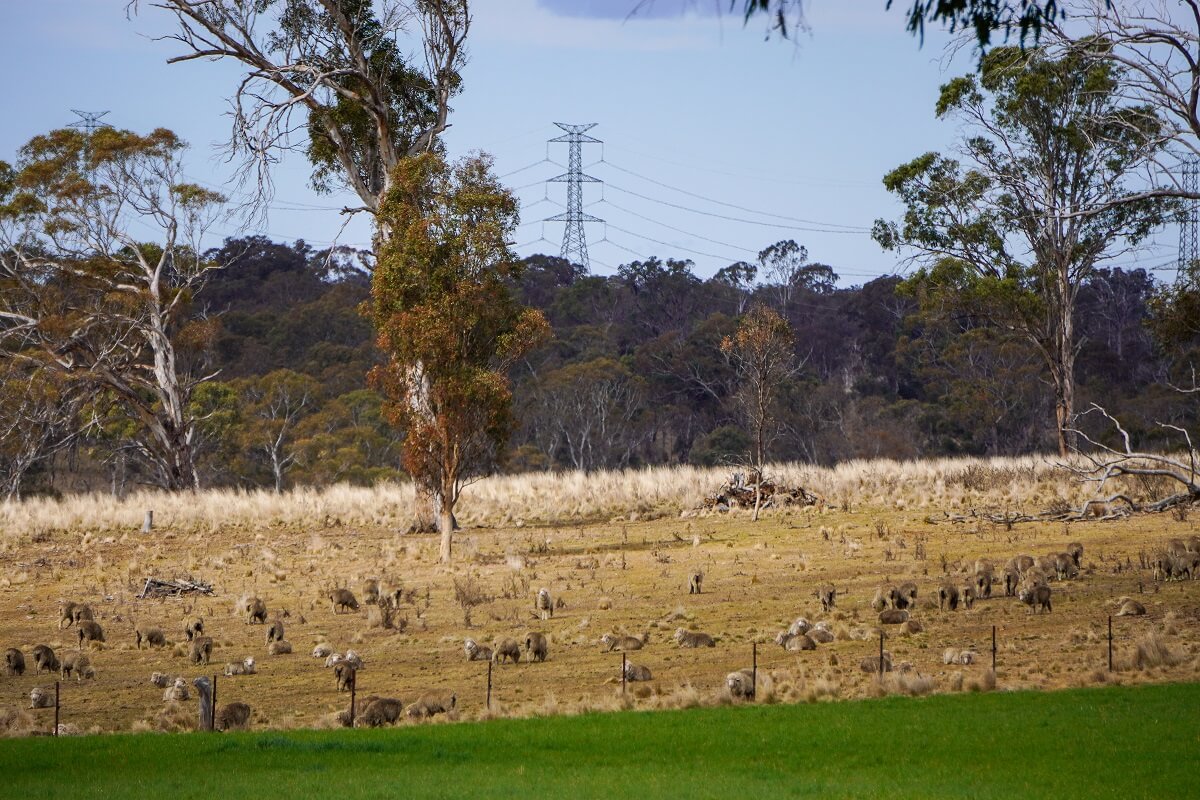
1109, 742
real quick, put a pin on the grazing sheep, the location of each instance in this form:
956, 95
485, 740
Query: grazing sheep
89, 631
280, 647
233, 716
880, 600
193, 628
1065, 567
1130, 608
391, 595
79, 664
333, 659
983, 583
353, 659
343, 599
543, 604
475, 652
948, 596
275, 631
903, 596
82, 613
827, 594
801, 642
201, 650
950, 655
153, 637
44, 658
801, 625
14, 662
1022, 564
893, 616
637, 673
344, 674
41, 698
1012, 579
871, 663
322, 651
983, 565
621, 643
967, 593
255, 610
821, 635
380, 711
370, 591
741, 684
1036, 597
1075, 550
244, 667
507, 648
695, 582
427, 707
686, 638
67, 618
161, 679
537, 647
177, 692
1047, 565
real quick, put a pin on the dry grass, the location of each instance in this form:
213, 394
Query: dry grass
626, 575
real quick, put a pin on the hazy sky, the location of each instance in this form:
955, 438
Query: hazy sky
769, 139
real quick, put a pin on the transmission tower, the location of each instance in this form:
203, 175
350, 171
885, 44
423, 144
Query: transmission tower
89, 121
574, 243
1189, 223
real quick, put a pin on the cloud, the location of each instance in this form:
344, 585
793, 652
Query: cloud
599, 25
632, 9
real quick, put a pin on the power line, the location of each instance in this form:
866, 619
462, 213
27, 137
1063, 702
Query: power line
668, 244
673, 228
574, 241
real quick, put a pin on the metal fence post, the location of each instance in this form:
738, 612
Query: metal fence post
1110, 644
754, 670
489, 686
353, 690
623, 673
881, 655
993, 649
56, 708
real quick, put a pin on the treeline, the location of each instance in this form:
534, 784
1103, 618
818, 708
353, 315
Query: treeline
633, 375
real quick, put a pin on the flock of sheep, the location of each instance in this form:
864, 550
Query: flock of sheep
1023, 576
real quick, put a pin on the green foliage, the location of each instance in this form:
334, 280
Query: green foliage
727, 444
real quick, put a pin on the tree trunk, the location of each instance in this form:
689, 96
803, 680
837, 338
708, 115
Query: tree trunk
1064, 371
446, 527
425, 511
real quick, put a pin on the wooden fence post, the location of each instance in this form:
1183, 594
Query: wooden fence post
204, 690
213, 721
881, 655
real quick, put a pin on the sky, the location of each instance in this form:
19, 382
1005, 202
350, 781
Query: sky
717, 140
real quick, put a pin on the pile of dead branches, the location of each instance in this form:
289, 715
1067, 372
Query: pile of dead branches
159, 587
739, 492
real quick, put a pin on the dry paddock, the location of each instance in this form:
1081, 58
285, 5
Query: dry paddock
617, 576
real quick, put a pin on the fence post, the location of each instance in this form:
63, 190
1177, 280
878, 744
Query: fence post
56, 708
623, 662
489, 686
213, 721
353, 690
148, 522
881, 655
993, 649
754, 670
1110, 644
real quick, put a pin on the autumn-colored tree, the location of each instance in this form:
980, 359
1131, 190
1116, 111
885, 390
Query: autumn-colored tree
763, 352
448, 322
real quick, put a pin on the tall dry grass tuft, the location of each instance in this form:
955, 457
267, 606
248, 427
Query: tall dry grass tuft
1148, 652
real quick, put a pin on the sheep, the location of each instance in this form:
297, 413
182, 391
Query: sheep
344, 674
161, 679
322, 650
968, 595
255, 609
177, 692
983, 583
153, 637
14, 662
741, 684
380, 711
391, 595
1047, 565
870, 664
1075, 550
637, 673
686, 638
695, 582
353, 659
77, 663
280, 647
983, 565
507, 648
1022, 564
950, 655
801, 642
370, 591
333, 659
232, 716
968, 657
1012, 579
72, 613
475, 652
1065, 567
89, 631
880, 600
343, 599
621, 643
827, 595
948, 596
801, 625
44, 658
543, 604
1130, 608
903, 596
821, 635
41, 698
537, 647
243, 667
1036, 597
893, 616
201, 650
193, 628
427, 707
275, 631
